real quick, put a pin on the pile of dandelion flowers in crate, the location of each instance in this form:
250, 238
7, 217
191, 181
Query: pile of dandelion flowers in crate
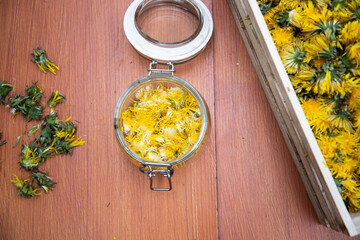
319, 44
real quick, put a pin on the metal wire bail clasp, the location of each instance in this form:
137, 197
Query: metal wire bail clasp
152, 173
153, 69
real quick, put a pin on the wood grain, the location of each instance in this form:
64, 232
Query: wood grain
242, 184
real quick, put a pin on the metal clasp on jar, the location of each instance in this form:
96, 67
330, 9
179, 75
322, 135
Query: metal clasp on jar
153, 69
167, 172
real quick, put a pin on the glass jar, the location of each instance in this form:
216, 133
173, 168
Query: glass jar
165, 50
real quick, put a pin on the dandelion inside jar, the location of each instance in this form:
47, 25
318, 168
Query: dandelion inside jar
162, 124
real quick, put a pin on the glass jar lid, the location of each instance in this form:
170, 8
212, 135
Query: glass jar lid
168, 30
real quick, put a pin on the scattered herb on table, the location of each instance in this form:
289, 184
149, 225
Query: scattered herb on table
42, 61
43, 181
5, 88
28, 105
2, 142
319, 44
56, 98
56, 137
25, 187
17, 141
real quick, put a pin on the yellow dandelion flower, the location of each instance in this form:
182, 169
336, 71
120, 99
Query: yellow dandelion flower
325, 84
322, 3
318, 44
328, 147
312, 109
356, 118
290, 4
17, 181
347, 143
317, 116
56, 98
354, 53
282, 36
43, 62
322, 126
295, 17
350, 33
353, 7
348, 85
78, 142
292, 56
341, 121
270, 18
309, 10
342, 168
318, 62
300, 84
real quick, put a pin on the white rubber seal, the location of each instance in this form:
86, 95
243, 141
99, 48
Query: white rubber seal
177, 54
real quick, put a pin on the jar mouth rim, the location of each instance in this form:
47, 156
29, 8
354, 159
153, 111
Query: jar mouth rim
157, 78
178, 52
188, 6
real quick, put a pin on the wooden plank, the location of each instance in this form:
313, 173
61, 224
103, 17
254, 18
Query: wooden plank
100, 194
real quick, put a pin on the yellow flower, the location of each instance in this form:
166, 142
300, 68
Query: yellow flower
348, 85
282, 36
270, 17
292, 56
289, 4
78, 142
354, 53
341, 121
356, 118
302, 80
347, 143
295, 17
318, 44
316, 115
354, 100
317, 62
314, 20
17, 181
350, 33
354, 7
322, 3
328, 147
43, 62
325, 84
55, 98
342, 168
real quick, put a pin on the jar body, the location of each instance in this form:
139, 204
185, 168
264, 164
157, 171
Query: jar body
126, 100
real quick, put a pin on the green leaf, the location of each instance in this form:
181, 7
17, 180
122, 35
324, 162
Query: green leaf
17, 141
43, 181
5, 89
2, 142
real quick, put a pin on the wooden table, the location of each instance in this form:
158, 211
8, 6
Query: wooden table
242, 185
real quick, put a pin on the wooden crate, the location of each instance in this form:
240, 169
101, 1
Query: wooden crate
296, 130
